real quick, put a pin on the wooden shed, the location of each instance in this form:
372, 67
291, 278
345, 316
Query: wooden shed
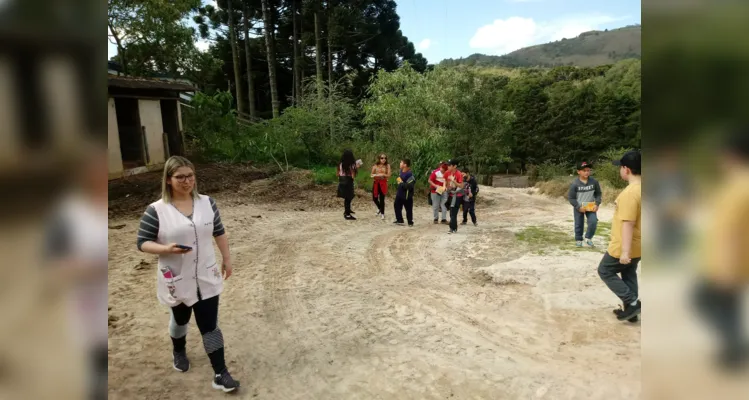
144, 124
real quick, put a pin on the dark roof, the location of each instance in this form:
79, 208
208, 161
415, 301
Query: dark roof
143, 83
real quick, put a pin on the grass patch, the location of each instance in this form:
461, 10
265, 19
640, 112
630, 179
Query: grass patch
542, 240
542, 236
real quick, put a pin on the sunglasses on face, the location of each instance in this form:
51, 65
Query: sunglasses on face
183, 178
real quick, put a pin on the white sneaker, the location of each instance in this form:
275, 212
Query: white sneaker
378, 213
382, 217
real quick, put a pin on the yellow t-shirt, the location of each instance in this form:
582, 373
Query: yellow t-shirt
628, 208
728, 228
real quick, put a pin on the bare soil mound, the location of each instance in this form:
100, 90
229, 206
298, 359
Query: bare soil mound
232, 184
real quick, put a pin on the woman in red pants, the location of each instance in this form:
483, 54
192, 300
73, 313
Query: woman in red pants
381, 173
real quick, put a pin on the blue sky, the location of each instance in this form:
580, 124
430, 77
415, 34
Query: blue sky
458, 28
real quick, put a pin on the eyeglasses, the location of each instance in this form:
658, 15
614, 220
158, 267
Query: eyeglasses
183, 178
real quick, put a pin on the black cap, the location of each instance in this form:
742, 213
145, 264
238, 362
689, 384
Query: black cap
583, 165
452, 162
632, 160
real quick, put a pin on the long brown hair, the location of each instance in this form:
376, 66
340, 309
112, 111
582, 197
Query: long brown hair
379, 161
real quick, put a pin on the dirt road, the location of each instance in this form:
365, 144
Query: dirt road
323, 308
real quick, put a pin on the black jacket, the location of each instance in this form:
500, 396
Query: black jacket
474, 185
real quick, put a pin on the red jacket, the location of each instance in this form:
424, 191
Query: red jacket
433, 179
458, 180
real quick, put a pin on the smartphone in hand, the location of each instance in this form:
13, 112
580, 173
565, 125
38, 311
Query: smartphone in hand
183, 247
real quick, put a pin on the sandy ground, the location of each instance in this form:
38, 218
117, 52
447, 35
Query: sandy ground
323, 308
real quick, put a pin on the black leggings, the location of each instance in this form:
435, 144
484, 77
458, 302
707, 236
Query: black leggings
379, 202
347, 206
206, 316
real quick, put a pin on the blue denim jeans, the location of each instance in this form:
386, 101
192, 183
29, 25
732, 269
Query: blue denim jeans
580, 223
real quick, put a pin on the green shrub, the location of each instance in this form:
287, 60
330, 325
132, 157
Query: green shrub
324, 175
550, 170
605, 171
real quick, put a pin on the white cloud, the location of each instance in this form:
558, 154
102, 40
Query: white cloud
424, 44
508, 35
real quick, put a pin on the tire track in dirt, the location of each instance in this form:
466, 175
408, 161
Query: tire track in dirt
365, 309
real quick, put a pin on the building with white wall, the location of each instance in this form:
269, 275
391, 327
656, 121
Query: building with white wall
144, 124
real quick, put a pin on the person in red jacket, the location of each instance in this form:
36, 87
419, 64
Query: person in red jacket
454, 182
437, 185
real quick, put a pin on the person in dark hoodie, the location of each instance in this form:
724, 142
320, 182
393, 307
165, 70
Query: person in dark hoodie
585, 197
405, 194
470, 190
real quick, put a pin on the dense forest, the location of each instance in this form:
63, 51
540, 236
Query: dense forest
326, 75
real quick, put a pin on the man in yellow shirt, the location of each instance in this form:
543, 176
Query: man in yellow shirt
719, 294
624, 251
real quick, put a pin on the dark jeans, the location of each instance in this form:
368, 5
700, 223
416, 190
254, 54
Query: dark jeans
722, 310
206, 316
454, 212
671, 234
469, 207
347, 206
98, 368
409, 204
379, 202
625, 287
580, 223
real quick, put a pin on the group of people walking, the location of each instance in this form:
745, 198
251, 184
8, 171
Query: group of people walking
450, 189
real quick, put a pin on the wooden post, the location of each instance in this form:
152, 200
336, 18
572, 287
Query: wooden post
183, 144
165, 139
144, 146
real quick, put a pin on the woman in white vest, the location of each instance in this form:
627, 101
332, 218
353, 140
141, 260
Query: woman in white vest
180, 229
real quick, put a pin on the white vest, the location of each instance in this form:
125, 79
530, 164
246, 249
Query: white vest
192, 271
88, 240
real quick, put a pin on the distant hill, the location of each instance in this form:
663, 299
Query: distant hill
590, 49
